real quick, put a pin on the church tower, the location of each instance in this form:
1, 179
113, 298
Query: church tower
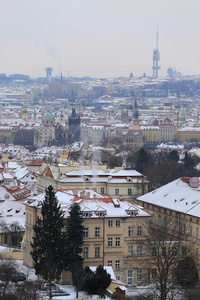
136, 123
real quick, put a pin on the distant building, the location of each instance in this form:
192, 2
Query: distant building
74, 127
44, 135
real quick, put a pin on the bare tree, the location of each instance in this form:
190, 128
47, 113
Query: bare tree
166, 242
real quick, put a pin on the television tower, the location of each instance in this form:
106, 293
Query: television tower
156, 58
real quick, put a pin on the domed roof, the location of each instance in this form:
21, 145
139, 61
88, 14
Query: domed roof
48, 116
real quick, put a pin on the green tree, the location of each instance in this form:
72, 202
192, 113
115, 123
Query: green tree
96, 282
187, 272
102, 279
142, 161
49, 242
74, 244
173, 155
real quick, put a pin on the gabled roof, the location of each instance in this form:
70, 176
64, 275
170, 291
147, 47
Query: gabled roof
178, 195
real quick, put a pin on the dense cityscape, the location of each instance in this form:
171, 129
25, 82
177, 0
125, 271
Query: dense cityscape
99, 166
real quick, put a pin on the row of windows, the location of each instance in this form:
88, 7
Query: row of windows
96, 252
110, 224
102, 191
117, 242
154, 251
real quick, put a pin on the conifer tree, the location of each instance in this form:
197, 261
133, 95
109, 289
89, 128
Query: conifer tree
75, 242
49, 242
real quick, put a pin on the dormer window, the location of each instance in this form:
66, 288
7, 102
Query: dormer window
132, 212
6, 196
86, 178
86, 214
129, 179
100, 213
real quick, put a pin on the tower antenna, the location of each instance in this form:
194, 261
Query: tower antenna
156, 58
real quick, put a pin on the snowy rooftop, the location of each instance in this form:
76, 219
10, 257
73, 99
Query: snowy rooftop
178, 195
92, 202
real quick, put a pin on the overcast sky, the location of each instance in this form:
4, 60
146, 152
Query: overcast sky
98, 38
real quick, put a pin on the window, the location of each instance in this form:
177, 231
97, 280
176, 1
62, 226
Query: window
117, 242
174, 251
191, 230
130, 231
139, 250
129, 192
97, 232
110, 242
129, 276
130, 250
97, 252
197, 232
164, 251
117, 265
184, 251
154, 252
139, 231
118, 277
110, 223
110, 263
116, 192
85, 252
95, 189
197, 253
85, 232
139, 274
117, 223
102, 190
154, 273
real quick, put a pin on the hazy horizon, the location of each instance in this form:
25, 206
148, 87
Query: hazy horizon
98, 38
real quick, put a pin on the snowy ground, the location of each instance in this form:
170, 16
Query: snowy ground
131, 291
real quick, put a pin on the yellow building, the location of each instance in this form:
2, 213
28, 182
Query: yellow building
189, 134
113, 231
128, 184
151, 134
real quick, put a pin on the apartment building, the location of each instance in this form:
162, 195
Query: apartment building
113, 231
178, 203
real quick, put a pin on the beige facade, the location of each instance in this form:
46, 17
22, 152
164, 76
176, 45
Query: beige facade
113, 232
128, 184
44, 135
177, 202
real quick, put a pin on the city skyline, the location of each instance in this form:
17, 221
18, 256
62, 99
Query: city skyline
98, 38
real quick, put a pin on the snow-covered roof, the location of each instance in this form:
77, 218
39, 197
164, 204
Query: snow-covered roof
92, 201
178, 195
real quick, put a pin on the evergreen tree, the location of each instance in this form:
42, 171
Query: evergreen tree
96, 282
187, 272
142, 161
49, 243
103, 280
75, 242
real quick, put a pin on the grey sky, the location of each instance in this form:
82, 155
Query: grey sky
99, 38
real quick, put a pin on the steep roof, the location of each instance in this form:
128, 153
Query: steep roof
180, 195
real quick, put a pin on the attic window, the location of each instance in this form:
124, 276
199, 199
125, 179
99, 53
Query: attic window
17, 211
86, 178
100, 213
132, 213
129, 179
182, 199
9, 209
86, 214
165, 195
